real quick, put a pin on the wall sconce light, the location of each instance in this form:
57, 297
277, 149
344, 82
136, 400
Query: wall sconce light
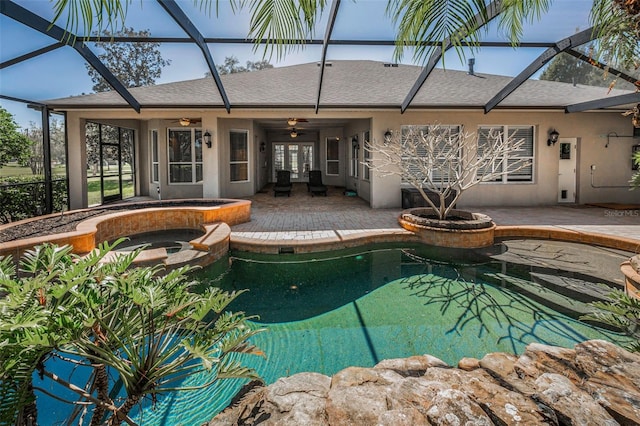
263, 146
553, 137
387, 136
207, 138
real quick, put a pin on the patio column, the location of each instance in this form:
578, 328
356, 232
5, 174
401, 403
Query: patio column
211, 163
77, 170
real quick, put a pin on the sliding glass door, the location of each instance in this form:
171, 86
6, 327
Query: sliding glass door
295, 157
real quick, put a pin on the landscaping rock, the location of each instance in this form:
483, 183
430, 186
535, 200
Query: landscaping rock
594, 384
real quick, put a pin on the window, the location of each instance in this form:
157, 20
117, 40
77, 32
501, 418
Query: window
155, 162
510, 164
333, 156
185, 155
431, 152
239, 156
355, 156
366, 171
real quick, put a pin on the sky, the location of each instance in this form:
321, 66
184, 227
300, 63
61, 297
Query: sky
62, 72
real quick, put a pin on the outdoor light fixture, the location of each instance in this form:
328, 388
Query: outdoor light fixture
185, 121
207, 138
553, 137
263, 146
293, 134
292, 122
387, 136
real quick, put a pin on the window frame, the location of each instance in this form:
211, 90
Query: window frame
196, 145
354, 169
232, 162
332, 161
154, 151
366, 154
505, 129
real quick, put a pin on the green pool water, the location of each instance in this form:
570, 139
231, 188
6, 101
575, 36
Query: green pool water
355, 308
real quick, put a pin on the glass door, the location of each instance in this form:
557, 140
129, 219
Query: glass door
295, 157
111, 183
110, 163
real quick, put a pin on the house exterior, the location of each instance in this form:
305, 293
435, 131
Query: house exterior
358, 101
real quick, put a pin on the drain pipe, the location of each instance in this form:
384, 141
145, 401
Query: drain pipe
593, 168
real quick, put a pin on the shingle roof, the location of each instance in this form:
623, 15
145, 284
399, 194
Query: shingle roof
346, 84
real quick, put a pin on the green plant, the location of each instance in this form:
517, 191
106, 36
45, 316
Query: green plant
622, 312
14, 146
635, 179
22, 197
138, 327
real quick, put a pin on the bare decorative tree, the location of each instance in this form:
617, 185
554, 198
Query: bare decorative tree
446, 161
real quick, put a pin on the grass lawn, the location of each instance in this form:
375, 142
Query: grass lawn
93, 183
110, 187
13, 169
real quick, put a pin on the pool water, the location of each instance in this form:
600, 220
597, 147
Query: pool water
326, 312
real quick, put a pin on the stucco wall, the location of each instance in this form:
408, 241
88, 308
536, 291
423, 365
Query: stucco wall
590, 129
613, 164
230, 189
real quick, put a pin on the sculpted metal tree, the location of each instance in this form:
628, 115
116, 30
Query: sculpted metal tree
446, 161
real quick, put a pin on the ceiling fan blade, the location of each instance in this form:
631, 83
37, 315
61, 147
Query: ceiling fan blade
293, 121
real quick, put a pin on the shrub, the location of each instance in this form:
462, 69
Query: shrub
138, 328
22, 197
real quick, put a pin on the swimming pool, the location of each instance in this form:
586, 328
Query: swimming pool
358, 307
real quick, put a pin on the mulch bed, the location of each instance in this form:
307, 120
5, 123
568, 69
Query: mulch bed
68, 221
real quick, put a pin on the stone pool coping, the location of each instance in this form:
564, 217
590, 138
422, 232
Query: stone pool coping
123, 223
316, 241
559, 234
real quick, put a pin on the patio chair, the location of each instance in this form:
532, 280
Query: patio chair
315, 185
283, 183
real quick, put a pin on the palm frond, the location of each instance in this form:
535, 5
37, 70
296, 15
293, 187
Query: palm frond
515, 13
618, 33
280, 23
434, 23
82, 17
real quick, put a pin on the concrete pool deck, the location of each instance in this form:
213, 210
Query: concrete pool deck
304, 223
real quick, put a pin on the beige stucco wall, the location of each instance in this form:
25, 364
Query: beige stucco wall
235, 189
590, 129
77, 161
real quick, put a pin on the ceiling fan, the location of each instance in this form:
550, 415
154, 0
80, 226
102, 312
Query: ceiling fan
291, 122
293, 133
185, 121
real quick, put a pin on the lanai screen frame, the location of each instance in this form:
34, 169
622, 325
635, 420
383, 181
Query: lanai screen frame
62, 38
